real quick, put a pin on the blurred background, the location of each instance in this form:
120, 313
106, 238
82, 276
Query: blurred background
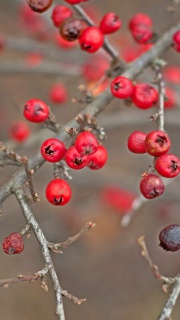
104, 266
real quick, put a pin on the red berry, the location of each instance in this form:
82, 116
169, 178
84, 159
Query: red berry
75, 160
13, 244
53, 150
59, 14
19, 131
151, 186
58, 93
36, 110
136, 142
110, 23
176, 41
86, 143
58, 192
141, 28
98, 159
167, 165
39, 5
144, 96
71, 29
91, 39
169, 238
172, 74
122, 87
73, 1
157, 143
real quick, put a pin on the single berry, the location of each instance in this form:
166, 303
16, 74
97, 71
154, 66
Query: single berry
19, 131
144, 96
151, 186
110, 23
58, 93
58, 192
141, 28
73, 1
169, 238
167, 165
172, 74
176, 41
59, 14
53, 150
98, 159
71, 29
135, 142
36, 110
91, 39
86, 143
76, 160
13, 244
157, 143
39, 5
122, 87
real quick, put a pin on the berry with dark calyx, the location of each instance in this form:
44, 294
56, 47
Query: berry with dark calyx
135, 142
157, 143
13, 244
122, 87
71, 29
151, 186
176, 41
144, 96
141, 28
58, 93
167, 165
91, 39
75, 160
59, 14
53, 150
36, 110
169, 238
110, 23
58, 192
39, 5
19, 131
98, 159
86, 143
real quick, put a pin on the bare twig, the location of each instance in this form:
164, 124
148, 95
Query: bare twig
70, 297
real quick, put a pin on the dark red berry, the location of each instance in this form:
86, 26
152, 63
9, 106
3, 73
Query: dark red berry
144, 96
13, 244
151, 186
86, 143
136, 142
59, 14
91, 40
141, 28
19, 131
122, 87
71, 29
75, 160
110, 23
58, 192
176, 41
58, 93
157, 143
98, 159
39, 5
169, 238
36, 110
53, 150
167, 165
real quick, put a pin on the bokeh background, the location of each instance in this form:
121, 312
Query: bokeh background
105, 266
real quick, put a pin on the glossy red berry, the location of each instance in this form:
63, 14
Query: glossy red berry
144, 96
36, 110
19, 131
39, 5
59, 14
136, 142
13, 244
91, 40
167, 165
58, 93
176, 41
98, 159
169, 238
151, 186
73, 1
53, 150
58, 192
110, 23
141, 28
71, 29
76, 160
122, 87
86, 143
157, 143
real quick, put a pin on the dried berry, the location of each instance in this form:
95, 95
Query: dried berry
13, 244
170, 238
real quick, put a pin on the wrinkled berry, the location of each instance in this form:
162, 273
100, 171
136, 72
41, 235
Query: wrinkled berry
169, 238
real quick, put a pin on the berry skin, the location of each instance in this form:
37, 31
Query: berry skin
136, 142
151, 186
144, 96
58, 93
122, 87
39, 5
98, 159
19, 131
59, 14
71, 29
157, 143
73, 1
169, 238
53, 150
86, 143
75, 160
141, 28
91, 40
36, 110
167, 165
13, 244
176, 41
110, 23
58, 192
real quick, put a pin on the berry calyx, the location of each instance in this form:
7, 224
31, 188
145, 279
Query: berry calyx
157, 143
86, 143
19, 131
53, 150
39, 5
141, 28
169, 238
58, 192
122, 87
151, 186
36, 110
71, 29
98, 159
167, 165
91, 39
176, 41
58, 93
59, 14
136, 141
110, 23
144, 96
75, 160
13, 244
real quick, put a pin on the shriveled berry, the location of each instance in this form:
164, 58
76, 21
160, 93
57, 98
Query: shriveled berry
169, 238
141, 28
151, 186
98, 159
110, 23
53, 150
91, 39
135, 142
122, 87
39, 5
59, 14
36, 110
176, 41
19, 131
157, 143
58, 93
13, 244
71, 29
167, 165
144, 96
75, 160
58, 192
86, 143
